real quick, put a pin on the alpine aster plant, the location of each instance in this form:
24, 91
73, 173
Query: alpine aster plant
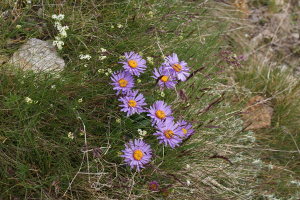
169, 133
134, 63
164, 78
122, 81
186, 128
137, 154
177, 69
133, 102
159, 111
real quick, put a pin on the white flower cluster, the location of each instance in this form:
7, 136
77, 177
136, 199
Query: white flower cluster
150, 60
102, 57
107, 72
85, 57
28, 100
142, 133
71, 135
58, 42
296, 182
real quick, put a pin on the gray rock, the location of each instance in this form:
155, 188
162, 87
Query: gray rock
38, 55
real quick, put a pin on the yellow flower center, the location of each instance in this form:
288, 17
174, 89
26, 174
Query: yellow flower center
177, 67
160, 114
169, 134
164, 78
184, 131
123, 83
132, 103
138, 154
153, 186
132, 63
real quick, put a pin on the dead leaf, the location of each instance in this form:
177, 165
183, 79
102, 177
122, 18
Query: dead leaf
242, 5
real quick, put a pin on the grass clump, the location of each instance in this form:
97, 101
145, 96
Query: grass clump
62, 136
279, 143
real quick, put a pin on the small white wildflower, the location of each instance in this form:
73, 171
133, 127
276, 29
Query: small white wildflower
162, 94
296, 182
150, 60
188, 182
71, 135
59, 44
258, 162
138, 80
80, 100
112, 26
18, 26
142, 132
103, 50
54, 17
58, 17
100, 71
85, 57
270, 166
28, 100
28, 1
119, 25
188, 166
85, 65
109, 70
118, 120
53, 86
106, 74
63, 34
102, 57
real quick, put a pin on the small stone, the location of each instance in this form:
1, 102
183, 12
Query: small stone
37, 55
257, 113
295, 35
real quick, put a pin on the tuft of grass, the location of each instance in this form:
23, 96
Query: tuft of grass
281, 141
39, 160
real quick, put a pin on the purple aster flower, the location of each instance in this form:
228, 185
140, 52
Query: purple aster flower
137, 153
133, 102
160, 111
186, 128
178, 69
122, 81
169, 133
153, 186
164, 78
134, 63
